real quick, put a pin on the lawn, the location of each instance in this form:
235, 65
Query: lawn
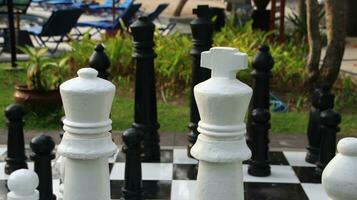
172, 117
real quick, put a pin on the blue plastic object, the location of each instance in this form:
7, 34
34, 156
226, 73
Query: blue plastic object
277, 104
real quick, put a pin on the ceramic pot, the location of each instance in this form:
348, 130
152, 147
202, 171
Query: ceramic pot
38, 101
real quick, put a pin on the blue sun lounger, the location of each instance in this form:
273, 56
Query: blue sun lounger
108, 4
126, 17
57, 27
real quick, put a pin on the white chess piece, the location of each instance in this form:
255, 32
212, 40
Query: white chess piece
22, 184
339, 177
87, 142
221, 148
60, 168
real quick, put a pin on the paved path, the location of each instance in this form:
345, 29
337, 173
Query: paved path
277, 141
349, 62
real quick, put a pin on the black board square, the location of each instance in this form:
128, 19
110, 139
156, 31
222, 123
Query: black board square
275, 158
273, 191
184, 172
307, 174
166, 156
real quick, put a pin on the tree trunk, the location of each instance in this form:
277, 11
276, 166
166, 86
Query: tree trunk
336, 31
302, 9
314, 39
179, 7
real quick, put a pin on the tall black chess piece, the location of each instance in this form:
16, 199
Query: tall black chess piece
132, 189
329, 121
322, 100
145, 94
100, 61
202, 32
42, 147
16, 158
259, 116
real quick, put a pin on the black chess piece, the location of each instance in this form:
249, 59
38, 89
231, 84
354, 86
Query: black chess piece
100, 61
259, 116
42, 147
313, 126
202, 32
322, 100
16, 158
329, 121
133, 189
145, 116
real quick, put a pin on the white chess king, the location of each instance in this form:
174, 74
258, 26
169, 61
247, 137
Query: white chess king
87, 143
221, 147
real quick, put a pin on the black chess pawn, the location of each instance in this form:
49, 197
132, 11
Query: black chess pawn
259, 116
100, 61
132, 189
16, 158
42, 147
322, 100
329, 121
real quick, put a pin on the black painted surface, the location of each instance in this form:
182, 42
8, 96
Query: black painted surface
145, 94
162, 189
322, 100
307, 175
16, 158
261, 19
42, 147
151, 190
259, 116
273, 191
166, 156
100, 61
132, 189
202, 32
329, 121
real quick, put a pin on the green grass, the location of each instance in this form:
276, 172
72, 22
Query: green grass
172, 117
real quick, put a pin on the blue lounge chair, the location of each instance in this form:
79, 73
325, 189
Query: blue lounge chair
57, 27
157, 12
126, 17
108, 4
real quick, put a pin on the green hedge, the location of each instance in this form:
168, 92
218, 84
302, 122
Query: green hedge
173, 62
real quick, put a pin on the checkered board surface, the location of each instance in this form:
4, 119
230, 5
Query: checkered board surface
174, 178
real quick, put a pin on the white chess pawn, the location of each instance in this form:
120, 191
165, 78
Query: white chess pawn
22, 184
340, 176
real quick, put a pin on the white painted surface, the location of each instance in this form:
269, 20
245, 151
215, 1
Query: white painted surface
180, 156
314, 191
222, 102
340, 176
87, 143
150, 171
22, 184
93, 179
183, 190
297, 158
279, 174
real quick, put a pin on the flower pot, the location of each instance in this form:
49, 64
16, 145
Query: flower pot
38, 101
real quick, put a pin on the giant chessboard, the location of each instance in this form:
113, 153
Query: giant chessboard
174, 177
